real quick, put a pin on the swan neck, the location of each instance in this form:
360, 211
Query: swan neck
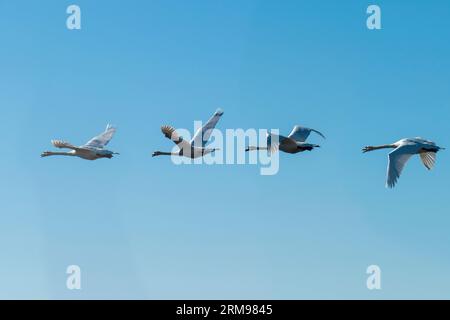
390, 146
385, 146
161, 153
60, 154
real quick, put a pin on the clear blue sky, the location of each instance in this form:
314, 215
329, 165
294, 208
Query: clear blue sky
141, 227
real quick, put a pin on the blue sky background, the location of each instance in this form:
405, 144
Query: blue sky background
141, 227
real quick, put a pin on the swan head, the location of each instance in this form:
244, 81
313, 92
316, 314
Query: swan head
367, 149
106, 154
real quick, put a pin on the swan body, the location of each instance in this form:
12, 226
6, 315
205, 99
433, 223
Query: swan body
196, 148
94, 149
404, 149
295, 142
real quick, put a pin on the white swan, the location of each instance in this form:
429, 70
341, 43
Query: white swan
404, 150
294, 143
92, 150
197, 146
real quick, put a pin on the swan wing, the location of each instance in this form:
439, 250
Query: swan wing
103, 139
301, 133
274, 141
397, 161
63, 145
428, 159
170, 133
203, 134
424, 141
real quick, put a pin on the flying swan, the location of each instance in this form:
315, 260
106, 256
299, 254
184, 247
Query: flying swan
197, 146
295, 142
404, 150
92, 150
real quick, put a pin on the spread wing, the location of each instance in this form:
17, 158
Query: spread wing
103, 139
301, 133
428, 159
397, 161
63, 144
274, 141
170, 133
203, 134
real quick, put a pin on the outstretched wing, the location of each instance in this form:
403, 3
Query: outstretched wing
397, 161
63, 145
170, 133
274, 141
428, 159
203, 134
103, 139
301, 133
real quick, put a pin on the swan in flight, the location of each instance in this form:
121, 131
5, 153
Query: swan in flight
405, 149
197, 146
92, 150
295, 142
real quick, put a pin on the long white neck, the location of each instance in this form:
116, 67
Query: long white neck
253, 148
50, 153
384, 146
161, 153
